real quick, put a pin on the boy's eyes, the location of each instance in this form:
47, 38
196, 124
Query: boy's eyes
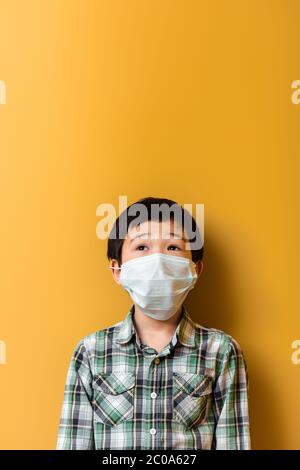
170, 246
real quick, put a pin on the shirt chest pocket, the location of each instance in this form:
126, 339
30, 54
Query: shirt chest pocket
191, 398
113, 397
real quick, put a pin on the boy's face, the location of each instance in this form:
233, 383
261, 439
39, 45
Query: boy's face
154, 237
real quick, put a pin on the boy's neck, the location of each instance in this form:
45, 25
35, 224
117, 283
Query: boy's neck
149, 325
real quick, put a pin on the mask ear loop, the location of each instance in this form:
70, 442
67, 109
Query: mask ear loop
112, 267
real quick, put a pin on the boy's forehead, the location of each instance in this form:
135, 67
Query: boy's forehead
155, 229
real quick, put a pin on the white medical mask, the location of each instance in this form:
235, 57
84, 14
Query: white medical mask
158, 283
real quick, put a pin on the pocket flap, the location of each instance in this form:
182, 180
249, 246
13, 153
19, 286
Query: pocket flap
193, 384
114, 382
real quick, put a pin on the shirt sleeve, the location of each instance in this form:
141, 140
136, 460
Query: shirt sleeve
231, 391
76, 420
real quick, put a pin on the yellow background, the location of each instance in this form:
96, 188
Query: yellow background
189, 100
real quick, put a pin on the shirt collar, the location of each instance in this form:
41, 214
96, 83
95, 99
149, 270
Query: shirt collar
185, 330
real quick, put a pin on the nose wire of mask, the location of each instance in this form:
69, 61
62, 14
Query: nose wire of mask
158, 283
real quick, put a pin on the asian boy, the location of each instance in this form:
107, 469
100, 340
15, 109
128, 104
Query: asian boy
157, 379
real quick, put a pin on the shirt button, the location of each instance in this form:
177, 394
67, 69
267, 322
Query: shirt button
153, 395
152, 431
156, 360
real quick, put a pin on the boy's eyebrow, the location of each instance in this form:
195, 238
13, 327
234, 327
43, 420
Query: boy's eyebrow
147, 233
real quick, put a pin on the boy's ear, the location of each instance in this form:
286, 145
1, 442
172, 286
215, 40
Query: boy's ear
199, 267
115, 272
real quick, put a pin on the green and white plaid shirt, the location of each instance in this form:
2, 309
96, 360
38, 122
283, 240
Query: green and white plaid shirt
122, 394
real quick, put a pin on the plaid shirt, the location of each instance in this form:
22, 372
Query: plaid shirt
122, 394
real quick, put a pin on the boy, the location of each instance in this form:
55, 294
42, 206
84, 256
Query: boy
157, 379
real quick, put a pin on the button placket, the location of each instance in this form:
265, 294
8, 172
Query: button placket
154, 404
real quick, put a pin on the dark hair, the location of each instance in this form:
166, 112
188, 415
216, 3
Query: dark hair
126, 220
